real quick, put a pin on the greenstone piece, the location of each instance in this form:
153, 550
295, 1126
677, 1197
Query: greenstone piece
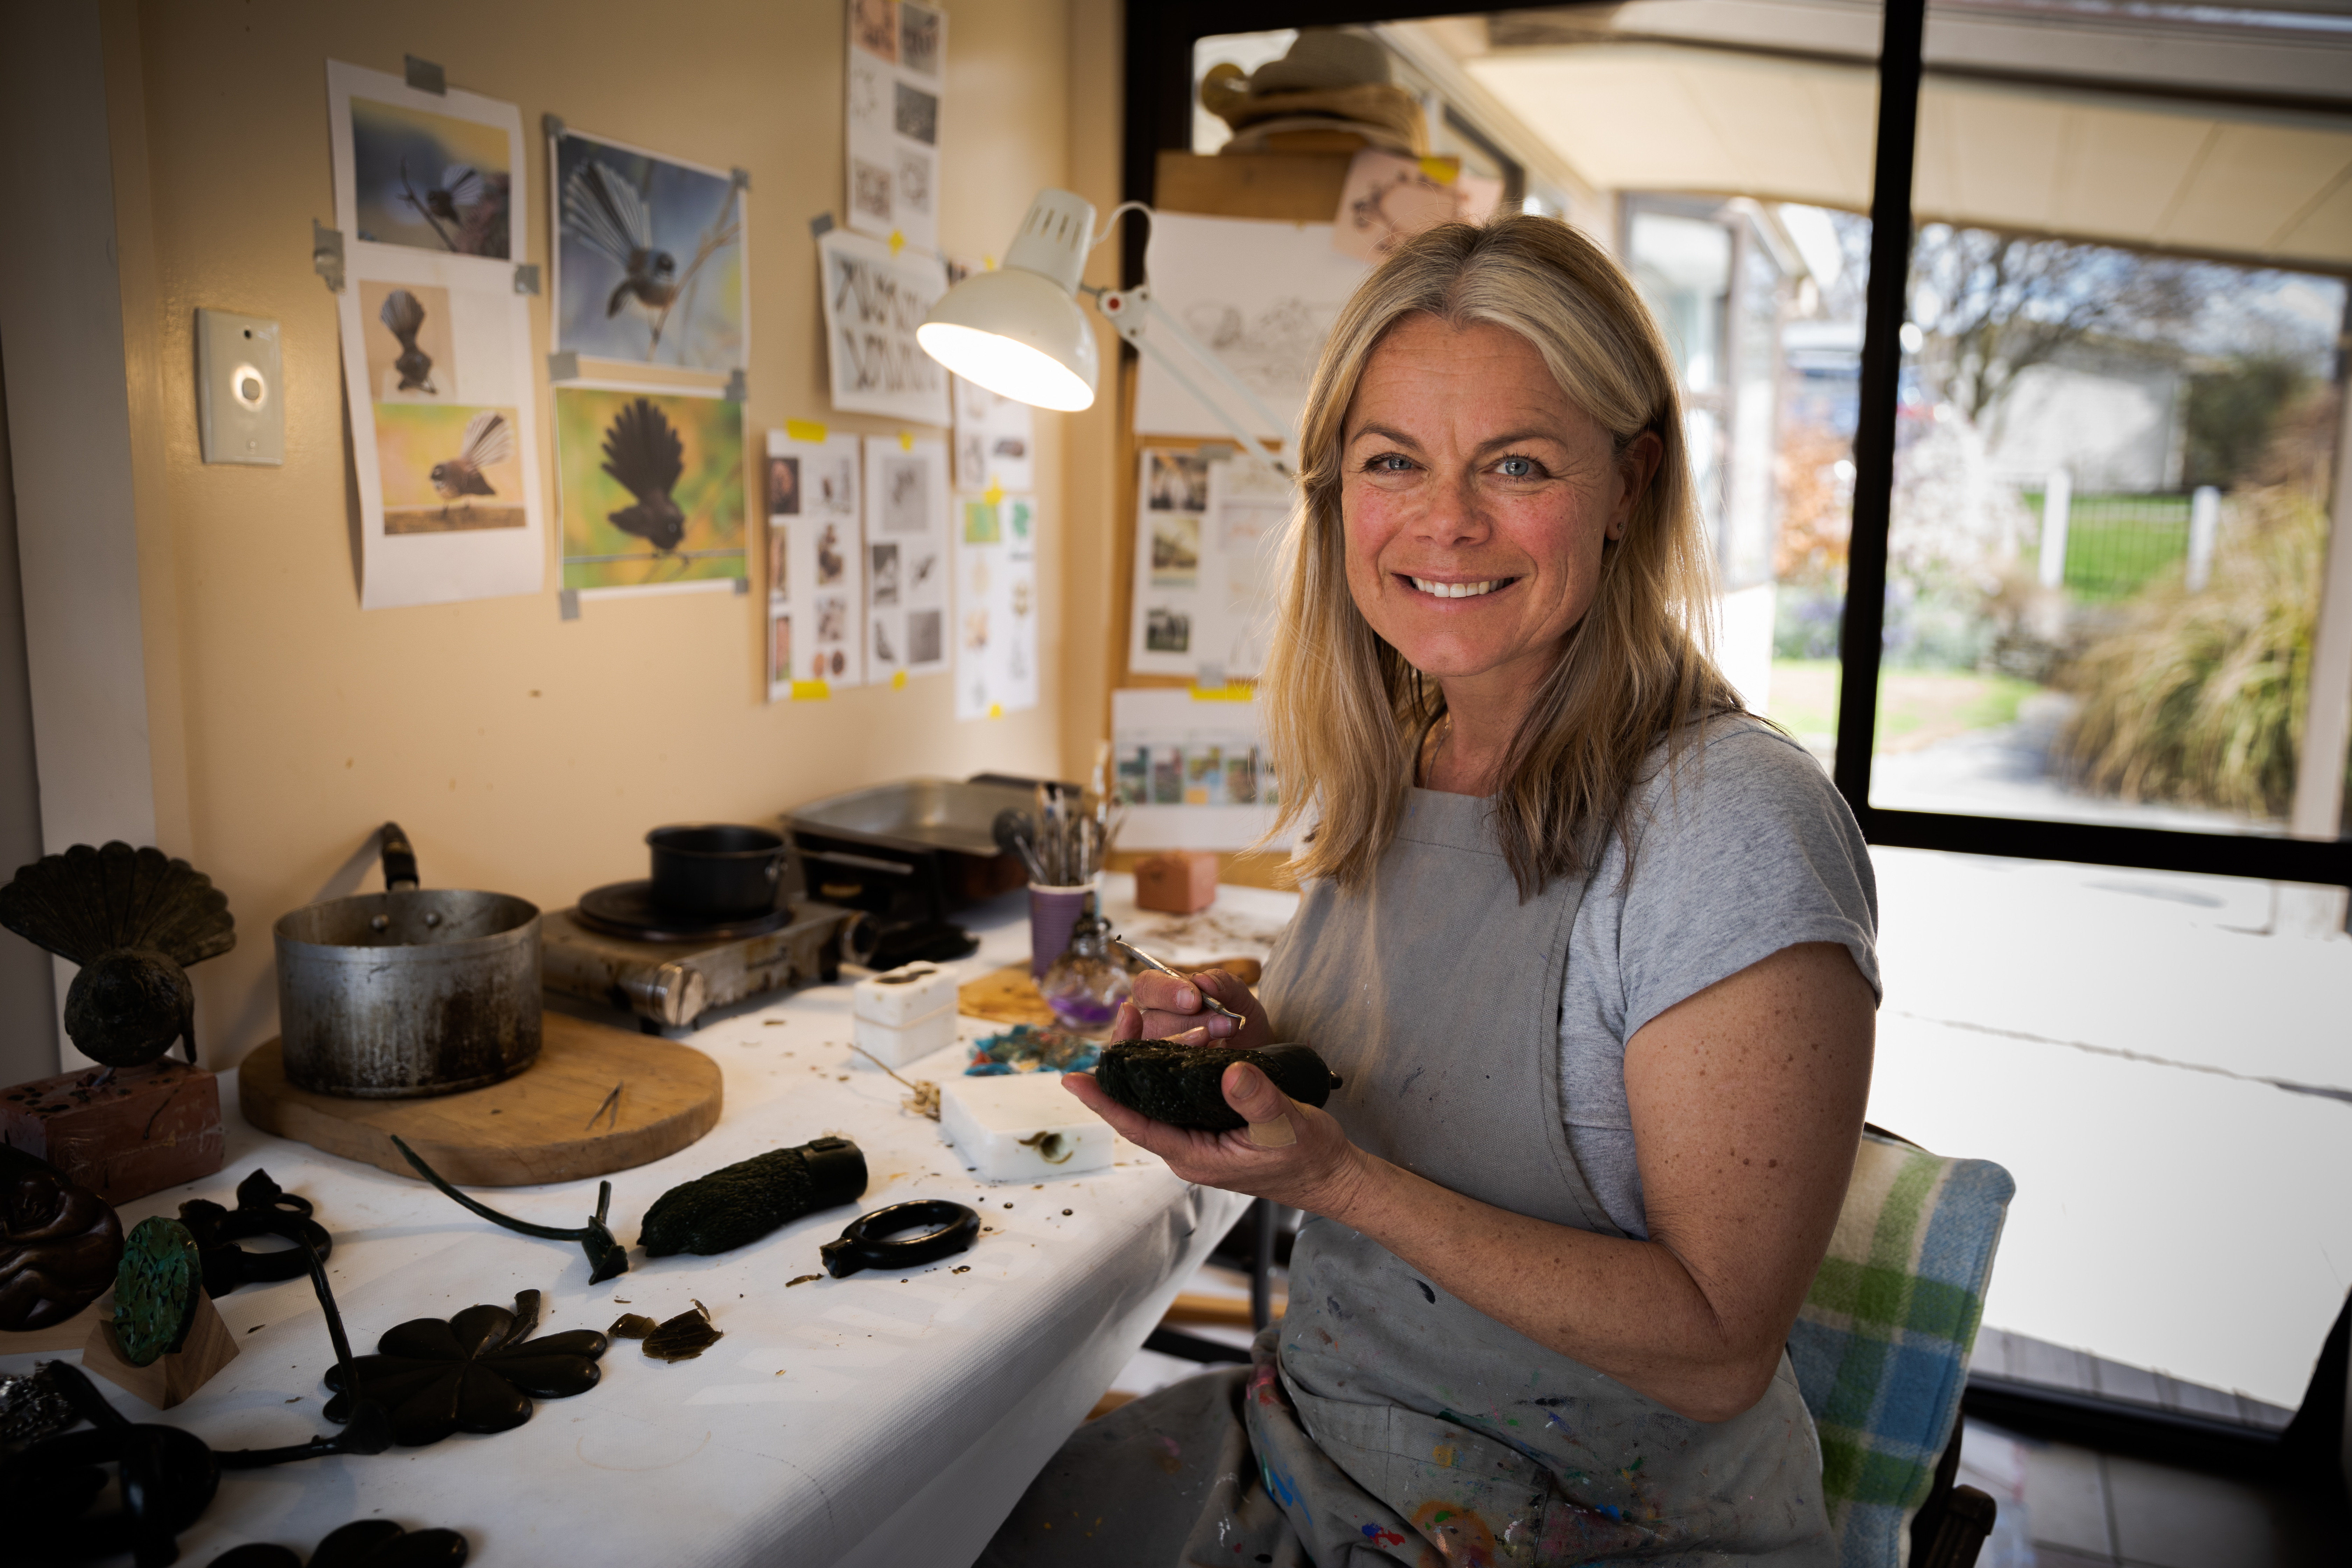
155, 1289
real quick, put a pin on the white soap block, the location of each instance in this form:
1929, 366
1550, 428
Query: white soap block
905, 994
897, 1046
1023, 1127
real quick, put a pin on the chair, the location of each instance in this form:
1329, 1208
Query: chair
1881, 1349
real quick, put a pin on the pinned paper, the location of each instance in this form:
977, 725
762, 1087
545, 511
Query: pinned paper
1388, 198
817, 562
897, 83
908, 611
996, 605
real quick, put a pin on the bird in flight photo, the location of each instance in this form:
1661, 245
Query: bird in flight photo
646, 456
490, 441
404, 314
606, 211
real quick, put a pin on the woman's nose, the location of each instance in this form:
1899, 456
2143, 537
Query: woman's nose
1454, 515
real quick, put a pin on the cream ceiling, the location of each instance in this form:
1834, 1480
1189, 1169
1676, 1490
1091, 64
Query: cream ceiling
2199, 177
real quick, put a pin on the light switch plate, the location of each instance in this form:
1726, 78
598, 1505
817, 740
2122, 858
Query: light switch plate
240, 398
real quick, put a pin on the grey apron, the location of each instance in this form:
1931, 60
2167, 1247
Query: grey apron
1394, 1418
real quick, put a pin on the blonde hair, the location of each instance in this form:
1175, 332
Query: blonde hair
1345, 713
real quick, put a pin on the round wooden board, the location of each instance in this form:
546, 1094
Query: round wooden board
532, 1127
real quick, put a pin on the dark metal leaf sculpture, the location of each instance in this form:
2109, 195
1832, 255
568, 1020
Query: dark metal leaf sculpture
478, 1371
31, 1407
155, 1289
606, 1255
263, 1209
362, 1543
59, 1243
631, 1326
168, 1479
135, 919
684, 1337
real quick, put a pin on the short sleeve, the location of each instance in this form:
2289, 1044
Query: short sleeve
1744, 847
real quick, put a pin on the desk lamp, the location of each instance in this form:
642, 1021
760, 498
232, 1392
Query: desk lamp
1018, 331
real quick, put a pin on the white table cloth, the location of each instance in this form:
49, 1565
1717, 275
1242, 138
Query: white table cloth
876, 1419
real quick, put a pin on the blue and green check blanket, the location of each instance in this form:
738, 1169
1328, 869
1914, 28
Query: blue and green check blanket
1880, 1345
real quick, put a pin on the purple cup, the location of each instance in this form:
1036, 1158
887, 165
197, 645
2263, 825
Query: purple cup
1052, 913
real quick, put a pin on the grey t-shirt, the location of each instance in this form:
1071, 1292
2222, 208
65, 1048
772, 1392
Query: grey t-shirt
1751, 850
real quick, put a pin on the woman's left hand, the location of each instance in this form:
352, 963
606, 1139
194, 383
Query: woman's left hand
1319, 1170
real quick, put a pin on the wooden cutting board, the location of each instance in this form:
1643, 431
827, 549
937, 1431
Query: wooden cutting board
532, 1127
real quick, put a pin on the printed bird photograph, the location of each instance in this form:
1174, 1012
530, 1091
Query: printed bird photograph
649, 258
432, 180
652, 488
411, 352
447, 469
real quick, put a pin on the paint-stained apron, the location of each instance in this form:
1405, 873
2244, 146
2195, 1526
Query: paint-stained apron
1395, 1417
1385, 1422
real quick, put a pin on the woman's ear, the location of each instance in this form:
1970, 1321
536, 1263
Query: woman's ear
1637, 465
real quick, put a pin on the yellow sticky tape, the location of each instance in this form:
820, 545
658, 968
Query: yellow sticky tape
899, 681
810, 691
1444, 171
996, 710
994, 493
1230, 692
804, 430
905, 440
897, 242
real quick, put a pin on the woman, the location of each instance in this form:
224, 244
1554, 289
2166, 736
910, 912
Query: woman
1591, 951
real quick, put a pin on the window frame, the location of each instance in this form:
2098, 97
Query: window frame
1160, 35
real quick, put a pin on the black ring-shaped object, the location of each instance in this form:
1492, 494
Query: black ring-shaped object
859, 1247
263, 1209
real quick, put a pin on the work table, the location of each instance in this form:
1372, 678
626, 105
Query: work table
879, 1418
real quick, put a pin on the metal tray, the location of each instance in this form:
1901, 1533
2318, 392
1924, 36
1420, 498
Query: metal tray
916, 815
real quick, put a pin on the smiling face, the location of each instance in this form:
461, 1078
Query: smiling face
1475, 498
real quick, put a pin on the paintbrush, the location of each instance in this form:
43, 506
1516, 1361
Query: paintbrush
1211, 1003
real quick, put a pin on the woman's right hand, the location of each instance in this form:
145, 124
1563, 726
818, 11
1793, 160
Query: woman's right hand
1166, 1008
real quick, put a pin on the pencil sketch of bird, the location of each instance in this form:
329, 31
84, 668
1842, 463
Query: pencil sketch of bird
135, 919
489, 441
404, 314
605, 209
646, 456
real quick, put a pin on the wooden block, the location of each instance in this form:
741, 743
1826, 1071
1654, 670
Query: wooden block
172, 1376
142, 1131
1179, 882
531, 1127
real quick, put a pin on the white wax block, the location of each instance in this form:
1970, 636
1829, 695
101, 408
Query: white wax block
906, 994
1023, 1127
897, 1046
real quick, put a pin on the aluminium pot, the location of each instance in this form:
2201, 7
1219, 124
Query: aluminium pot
410, 992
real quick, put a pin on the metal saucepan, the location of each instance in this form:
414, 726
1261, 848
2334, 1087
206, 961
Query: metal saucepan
408, 992
715, 870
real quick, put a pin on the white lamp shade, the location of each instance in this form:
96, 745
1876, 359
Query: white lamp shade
1018, 334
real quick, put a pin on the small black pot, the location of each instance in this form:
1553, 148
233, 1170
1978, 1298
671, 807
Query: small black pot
715, 870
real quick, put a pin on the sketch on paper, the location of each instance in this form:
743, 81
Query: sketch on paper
1386, 198
832, 559
1166, 630
872, 303
448, 469
411, 353
432, 180
885, 578
651, 487
1175, 481
996, 437
649, 263
904, 493
996, 598
1175, 550
873, 28
1261, 296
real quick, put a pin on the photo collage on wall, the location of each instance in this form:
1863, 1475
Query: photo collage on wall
817, 562
898, 59
908, 595
650, 268
996, 553
1210, 530
436, 342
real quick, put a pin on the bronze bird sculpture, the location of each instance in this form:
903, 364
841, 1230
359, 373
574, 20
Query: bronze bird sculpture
490, 441
404, 316
646, 456
135, 919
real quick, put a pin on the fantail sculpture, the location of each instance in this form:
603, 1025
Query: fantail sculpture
134, 920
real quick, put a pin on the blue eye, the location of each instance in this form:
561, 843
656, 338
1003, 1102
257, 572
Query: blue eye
1517, 467
1389, 463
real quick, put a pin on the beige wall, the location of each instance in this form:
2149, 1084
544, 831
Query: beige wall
524, 753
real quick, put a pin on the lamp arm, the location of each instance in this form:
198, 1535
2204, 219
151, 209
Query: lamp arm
1135, 315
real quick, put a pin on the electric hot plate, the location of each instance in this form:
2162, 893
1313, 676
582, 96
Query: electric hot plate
627, 910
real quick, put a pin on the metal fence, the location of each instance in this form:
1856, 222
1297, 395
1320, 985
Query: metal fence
2118, 544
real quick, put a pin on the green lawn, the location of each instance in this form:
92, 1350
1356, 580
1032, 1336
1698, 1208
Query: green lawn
2118, 544
1916, 708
